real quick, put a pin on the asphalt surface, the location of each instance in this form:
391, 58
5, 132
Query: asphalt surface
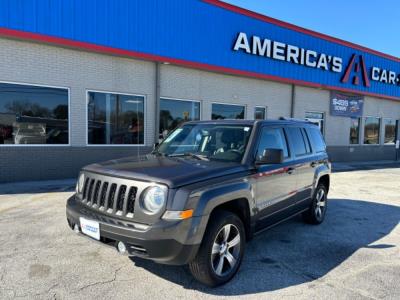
354, 254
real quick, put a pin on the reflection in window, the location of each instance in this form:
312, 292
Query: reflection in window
174, 112
354, 131
390, 131
371, 131
33, 114
226, 111
259, 113
115, 119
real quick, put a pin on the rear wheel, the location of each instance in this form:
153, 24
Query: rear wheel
221, 250
316, 213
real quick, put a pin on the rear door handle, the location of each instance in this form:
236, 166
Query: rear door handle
290, 171
313, 164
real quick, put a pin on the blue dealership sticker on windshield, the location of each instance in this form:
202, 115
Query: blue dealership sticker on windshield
346, 106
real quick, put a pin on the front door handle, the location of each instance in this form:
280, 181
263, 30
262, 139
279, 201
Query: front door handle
290, 171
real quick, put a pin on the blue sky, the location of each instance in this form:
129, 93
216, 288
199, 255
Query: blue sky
370, 23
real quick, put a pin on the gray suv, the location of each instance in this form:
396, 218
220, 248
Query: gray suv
204, 192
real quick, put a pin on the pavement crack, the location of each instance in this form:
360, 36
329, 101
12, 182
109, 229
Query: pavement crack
100, 282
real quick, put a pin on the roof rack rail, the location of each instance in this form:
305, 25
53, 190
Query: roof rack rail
292, 119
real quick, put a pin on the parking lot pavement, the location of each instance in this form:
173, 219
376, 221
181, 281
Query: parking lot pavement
354, 254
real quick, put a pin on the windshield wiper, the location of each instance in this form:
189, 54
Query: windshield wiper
197, 156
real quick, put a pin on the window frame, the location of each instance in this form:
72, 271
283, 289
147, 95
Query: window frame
379, 131
232, 104
384, 131
180, 99
69, 115
323, 119
116, 93
360, 138
265, 112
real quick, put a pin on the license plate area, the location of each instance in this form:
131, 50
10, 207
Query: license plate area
90, 228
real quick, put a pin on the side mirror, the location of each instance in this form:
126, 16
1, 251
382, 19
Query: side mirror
155, 145
270, 156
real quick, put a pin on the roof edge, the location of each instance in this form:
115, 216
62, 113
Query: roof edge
256, 15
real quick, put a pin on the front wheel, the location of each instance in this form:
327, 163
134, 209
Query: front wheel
316, 213
221, 251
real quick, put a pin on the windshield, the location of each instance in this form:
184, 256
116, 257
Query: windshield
207, 142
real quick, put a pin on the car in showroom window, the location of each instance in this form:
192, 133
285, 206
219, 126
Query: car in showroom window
207, 142
116, 119
35, 115
227, 111
174, 112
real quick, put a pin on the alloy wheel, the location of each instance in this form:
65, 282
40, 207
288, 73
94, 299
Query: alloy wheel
226, 250
320, 203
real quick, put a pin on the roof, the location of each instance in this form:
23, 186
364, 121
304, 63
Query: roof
251, 122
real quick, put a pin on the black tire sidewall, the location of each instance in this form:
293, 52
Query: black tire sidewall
220, 219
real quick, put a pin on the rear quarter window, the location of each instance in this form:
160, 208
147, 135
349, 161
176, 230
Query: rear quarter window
316, 139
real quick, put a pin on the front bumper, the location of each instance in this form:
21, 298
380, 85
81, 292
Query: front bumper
161, 242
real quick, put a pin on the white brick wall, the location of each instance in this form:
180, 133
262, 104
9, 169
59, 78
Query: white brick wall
25, 62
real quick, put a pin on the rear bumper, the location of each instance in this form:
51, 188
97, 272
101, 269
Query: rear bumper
157, 242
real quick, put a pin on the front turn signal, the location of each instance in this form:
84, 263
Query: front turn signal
178, 215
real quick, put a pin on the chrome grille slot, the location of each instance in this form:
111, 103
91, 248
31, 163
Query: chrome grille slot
90, 191
103, 194
131, 200
112, 195
121, 198
96, 193
85, 188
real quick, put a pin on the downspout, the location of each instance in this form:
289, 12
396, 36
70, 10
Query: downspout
293, 101
157, 102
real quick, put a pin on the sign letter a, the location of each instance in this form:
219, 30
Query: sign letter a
356, 67
242, 43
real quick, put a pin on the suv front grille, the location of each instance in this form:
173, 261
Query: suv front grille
109, 197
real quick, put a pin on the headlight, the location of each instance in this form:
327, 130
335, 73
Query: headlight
80, 183
153, 199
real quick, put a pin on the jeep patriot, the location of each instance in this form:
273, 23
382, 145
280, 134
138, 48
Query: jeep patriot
203, 192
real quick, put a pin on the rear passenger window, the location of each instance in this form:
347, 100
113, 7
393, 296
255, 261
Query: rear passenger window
297, 140
272, 138
305, 137
316, 139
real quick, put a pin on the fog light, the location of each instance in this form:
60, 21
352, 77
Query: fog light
76, 228
121, 247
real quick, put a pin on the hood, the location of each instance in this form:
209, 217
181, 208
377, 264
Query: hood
172, 171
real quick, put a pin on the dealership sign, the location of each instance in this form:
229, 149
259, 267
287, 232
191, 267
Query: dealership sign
221, 38
346, 106
356, 70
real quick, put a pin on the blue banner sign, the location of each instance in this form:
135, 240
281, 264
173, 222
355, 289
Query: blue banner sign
346, 106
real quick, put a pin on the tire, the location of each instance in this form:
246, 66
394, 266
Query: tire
206, 266
317, 211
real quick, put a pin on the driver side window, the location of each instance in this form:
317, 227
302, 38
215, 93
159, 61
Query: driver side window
272, 138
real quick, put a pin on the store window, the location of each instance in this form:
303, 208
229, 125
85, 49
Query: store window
371, 131
227, 111
260, 113
34, 115
115, 119
354, 131
317, 118
175, 112
390, 131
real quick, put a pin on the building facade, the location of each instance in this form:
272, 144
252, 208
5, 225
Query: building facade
86, 81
